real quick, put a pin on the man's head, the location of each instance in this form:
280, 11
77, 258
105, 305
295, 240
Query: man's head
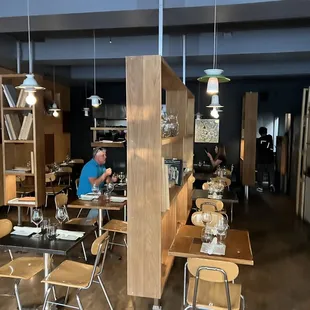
262, 131
100, 155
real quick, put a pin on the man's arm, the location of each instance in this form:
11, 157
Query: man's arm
105, 177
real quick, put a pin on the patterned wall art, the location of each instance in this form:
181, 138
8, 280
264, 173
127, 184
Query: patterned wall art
207, 130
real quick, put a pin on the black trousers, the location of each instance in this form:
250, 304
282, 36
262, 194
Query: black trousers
261, 169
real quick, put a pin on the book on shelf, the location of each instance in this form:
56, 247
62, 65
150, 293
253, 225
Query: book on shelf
175, 170
26, 128
32, 161
10, 127
165, 183
8, 132
21, 101
10, 94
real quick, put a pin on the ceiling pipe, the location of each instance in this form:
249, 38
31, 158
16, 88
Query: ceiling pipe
184, 58
160, 26
18, 57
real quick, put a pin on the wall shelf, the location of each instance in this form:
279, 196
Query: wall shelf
170, 140
17, 109
107, 144
108, 128
27, 174
18, 141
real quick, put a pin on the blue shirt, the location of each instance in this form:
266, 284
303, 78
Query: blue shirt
90, 170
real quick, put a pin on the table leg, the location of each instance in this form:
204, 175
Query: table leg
231, 212
19, 216
100, 224
246, 192
125, 213
47, 264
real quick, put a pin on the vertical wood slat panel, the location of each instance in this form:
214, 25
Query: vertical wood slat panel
250, 104
143, 91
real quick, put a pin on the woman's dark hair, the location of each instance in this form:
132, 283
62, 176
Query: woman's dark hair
221, 151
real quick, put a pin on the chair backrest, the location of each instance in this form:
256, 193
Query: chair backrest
20, 178
223, 179
77, 161
99, 248
205, 204
5, 227
77, 183
50, 177
213, 274
205, 186
197, 218
65, 169
61, 200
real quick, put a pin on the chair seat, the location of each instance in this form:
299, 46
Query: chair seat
82, 221
22, 268
116, 226
70, 273
212, 295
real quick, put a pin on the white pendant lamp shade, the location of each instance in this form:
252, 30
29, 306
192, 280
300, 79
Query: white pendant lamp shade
30, 84
96, 101
198, 116
213, 86
215, 102
214, 113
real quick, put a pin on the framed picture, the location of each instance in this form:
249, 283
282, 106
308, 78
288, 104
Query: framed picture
207, 130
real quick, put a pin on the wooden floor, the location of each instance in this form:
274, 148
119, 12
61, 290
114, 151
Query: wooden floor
279, 279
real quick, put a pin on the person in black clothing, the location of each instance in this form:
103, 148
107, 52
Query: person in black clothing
264, 159
220, 157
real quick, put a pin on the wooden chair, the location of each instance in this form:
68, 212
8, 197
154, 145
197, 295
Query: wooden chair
227, 181
116, 226
205, 186
197, 218
50, 189
22, 268
69, 171
79, 276
210, 285
77, 161
62, 200
206, 204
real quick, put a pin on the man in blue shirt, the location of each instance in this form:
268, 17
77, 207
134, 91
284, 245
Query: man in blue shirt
93, 173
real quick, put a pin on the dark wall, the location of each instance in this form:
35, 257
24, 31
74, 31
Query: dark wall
278, 96
81, 135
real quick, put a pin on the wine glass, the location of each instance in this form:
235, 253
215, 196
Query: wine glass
61, 214
95, 189
110, 188
121, 176
206, 218
37, 218
222, 227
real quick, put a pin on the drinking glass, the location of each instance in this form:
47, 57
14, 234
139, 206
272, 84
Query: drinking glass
121, 176
44, 225
51, 231
37, 218
95, 189
206, 218
222, 227
110, 188
61, 214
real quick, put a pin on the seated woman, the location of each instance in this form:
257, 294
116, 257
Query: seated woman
220, 157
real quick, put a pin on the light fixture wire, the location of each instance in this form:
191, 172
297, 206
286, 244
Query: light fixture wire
54, 83
215, 37
94, 33
29, 38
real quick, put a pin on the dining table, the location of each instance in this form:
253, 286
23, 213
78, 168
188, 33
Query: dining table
100, 204
187, 243
45, 246
228, 196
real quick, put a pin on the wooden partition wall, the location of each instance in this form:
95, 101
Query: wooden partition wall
248, 139
151, 231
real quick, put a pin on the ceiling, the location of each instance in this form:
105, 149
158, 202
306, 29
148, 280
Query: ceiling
256, 38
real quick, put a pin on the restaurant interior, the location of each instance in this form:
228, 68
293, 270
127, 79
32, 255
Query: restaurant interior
154, 155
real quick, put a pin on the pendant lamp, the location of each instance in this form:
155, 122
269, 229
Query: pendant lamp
54, 109
86, 108
30, 85
214, 76
96, 101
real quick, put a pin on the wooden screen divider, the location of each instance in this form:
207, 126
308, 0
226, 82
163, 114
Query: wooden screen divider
151, 231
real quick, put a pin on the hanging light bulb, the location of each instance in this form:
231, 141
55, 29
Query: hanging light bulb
214, 113
213, 86
31, 98
55, 113
86, 111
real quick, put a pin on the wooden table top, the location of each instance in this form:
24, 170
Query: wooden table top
101, 203
187, 243
228, 196
43, 244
